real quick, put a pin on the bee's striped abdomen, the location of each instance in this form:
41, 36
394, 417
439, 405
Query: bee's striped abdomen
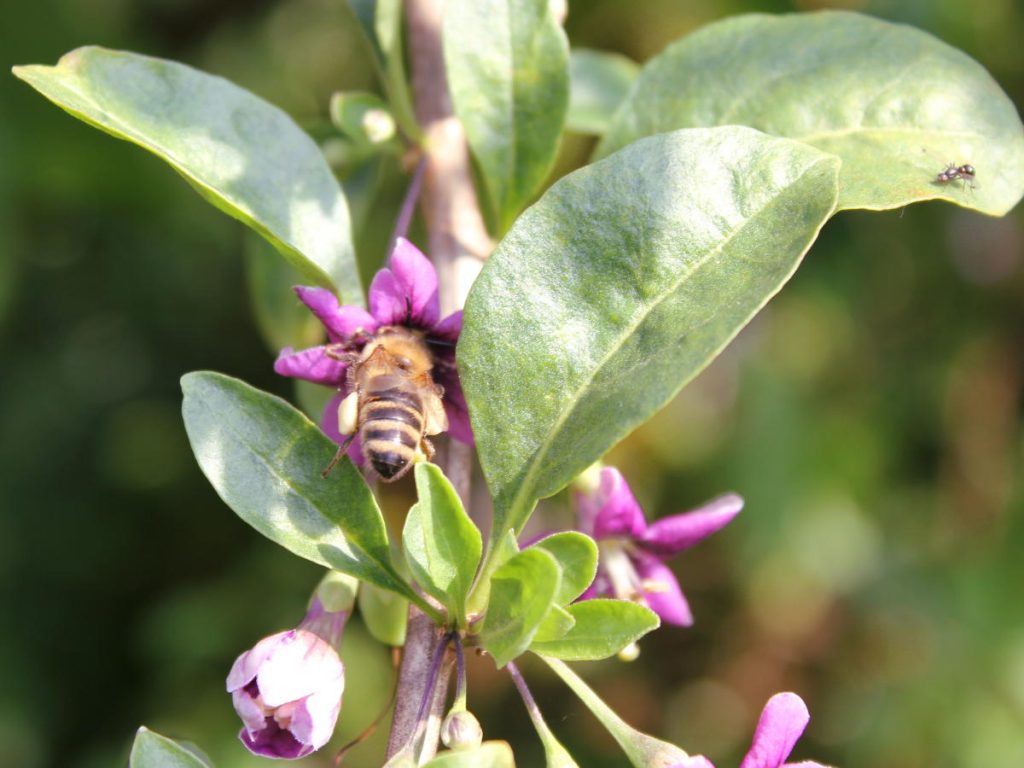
392, 427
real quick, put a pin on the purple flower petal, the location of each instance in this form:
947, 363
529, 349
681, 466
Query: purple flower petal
455, 406
662, 592
248, 664
405, 293
671, 535
341, 322
314, 719
619, 514
249, 709
274, 741
448, 330
313, 364
300, 664
329, 425
782, 722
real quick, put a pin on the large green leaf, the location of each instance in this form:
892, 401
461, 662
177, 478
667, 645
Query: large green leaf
264, 459
151, 750
602, 629
521, 593
893, 102
282, 320
599, 81
245, 156
507, 64
442, 545
618, 287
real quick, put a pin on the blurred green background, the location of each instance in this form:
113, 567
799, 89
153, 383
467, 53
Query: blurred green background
871, 416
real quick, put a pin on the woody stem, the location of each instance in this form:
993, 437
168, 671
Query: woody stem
458, 244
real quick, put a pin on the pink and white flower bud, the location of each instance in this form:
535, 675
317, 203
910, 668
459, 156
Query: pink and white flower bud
287, 688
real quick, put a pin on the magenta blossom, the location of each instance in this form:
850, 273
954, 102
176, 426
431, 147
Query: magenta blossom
403, 294
633, 554
287, 688
782, 722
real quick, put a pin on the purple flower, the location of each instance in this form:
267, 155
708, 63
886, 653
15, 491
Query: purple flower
403, 294
782, 722
633, 554
287, 688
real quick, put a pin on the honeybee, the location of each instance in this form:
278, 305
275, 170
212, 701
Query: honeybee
393, 404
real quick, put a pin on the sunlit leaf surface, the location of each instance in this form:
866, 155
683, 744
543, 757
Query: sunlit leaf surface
618, 287
896, 104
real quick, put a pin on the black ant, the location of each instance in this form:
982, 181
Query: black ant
951, 172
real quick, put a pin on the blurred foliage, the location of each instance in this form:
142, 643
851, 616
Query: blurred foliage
871, 416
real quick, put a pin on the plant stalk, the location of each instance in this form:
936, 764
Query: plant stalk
458, 244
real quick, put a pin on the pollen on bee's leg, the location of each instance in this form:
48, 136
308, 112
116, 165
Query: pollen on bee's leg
348, 414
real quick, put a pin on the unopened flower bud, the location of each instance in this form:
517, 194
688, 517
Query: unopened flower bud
461, 730
378, 125
630, 653
287, 688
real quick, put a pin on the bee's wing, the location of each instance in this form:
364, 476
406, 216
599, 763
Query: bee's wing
435, 419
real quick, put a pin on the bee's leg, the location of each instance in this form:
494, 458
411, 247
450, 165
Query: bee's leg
426, 449
341, 354
337, 457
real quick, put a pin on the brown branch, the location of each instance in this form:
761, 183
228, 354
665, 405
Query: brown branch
458, 244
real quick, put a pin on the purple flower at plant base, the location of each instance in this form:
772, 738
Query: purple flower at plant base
782, 722
402, 294
287, 688
631, 565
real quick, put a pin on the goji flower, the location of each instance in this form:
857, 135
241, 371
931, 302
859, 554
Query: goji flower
287, 688
402, 294
632, 558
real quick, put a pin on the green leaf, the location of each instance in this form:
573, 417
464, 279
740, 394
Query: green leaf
388, 27
521, 594
264, 459
385, 614
598, 83
245, 156
442, 545
282, 320
893, 102
151, 750
501, 553
507, 64
602, 629
576, 554
555, 625
490, 754
620, 285
642, 750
